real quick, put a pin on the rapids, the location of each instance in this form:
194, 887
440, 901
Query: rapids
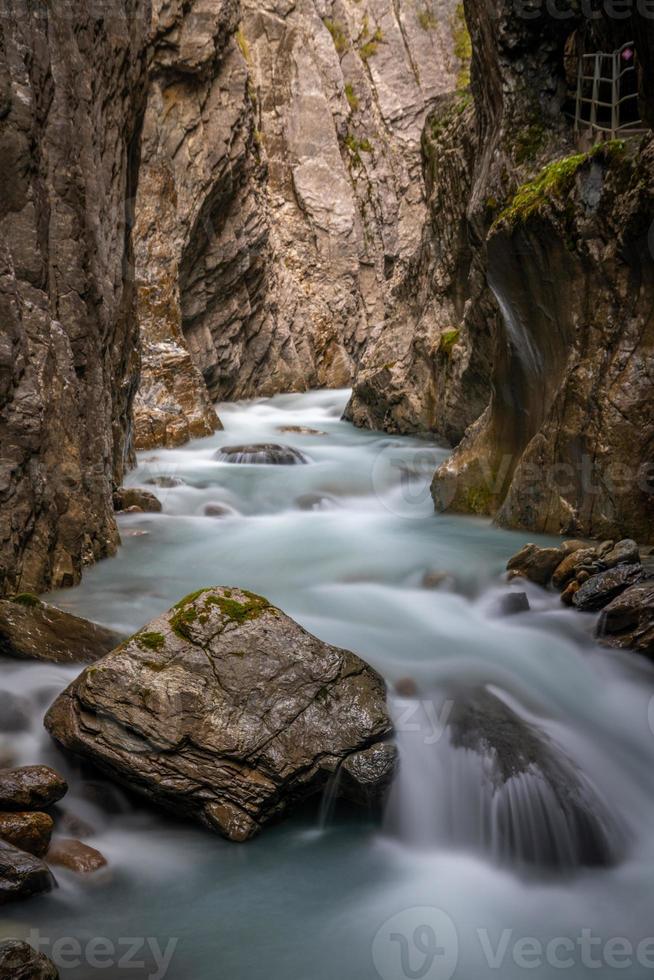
342, 544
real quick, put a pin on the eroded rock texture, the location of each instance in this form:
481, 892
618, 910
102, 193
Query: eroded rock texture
227, 711
71, 94
282, 198
560, 235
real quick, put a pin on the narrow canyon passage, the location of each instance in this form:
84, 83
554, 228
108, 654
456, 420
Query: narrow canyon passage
349, 546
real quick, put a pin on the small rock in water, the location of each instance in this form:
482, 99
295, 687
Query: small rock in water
128, 497
438, 580
300, 430
268, 454
536, 564
406, 687
514, 603
21, 874
218, 510
624, 553
315, 501
30, 788
30, 832
33, 630
18, 961
599, 590
567, 570
75, 856
165, 482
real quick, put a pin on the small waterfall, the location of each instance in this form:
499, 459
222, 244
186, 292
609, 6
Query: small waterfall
521, 342
496, 788
329, 798
268, 454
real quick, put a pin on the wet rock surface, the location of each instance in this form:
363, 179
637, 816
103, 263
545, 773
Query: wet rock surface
545, 811
21, 874
597, 591
30, 832
227, 711
265, 454
133, 499
19, 961
628, 621
33, 630
75, 856
30, 788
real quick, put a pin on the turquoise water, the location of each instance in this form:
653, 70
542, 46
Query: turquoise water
355, 900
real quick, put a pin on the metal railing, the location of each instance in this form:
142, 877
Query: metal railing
607, 93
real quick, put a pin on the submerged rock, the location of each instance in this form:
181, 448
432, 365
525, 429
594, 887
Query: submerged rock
18, 961
628, 622
226, 710
15, 713
535, 806
600, 589
30, 788
33, 630
268, 454
30, 832
75, 856
21, 874
513, 604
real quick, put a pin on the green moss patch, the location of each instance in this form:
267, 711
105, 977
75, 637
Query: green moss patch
151, 641
239, 610
448, 339
427, 19
462, 47
554, 182
27, 599
351, 97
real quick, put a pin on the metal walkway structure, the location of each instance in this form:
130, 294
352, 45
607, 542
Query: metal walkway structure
607, 93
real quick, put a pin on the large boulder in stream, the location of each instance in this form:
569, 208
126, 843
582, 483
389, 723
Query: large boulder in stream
628, 622
227, 711
518, 795
34, 630
265, 454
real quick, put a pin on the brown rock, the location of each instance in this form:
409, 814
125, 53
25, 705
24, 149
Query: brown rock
534, 563
571, 565
227, 711
570, 591
30, 832
131, 497
30, 788
21, 874
600, 589
18, 961
33, 630
75, 856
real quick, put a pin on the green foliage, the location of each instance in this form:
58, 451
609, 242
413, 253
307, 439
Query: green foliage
479, 500
338, 33
370, 48
151, 641
357, 146
448, 340
351, 96
27, 599
554, 182
462, 47
242, 42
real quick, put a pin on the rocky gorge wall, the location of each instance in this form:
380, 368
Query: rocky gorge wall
72, 87
529, 340
282, 197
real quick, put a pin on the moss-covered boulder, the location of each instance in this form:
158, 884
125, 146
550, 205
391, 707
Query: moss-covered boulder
226, 710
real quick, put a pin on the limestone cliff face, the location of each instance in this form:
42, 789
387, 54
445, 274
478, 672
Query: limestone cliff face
563, 276
71, 98
282, 198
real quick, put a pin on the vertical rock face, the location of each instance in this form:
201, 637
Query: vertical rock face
71, 91
561, 238
282, 197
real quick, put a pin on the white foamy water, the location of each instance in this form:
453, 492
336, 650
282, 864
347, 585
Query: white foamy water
342, 544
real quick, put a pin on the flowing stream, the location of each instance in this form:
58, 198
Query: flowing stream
343, 545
